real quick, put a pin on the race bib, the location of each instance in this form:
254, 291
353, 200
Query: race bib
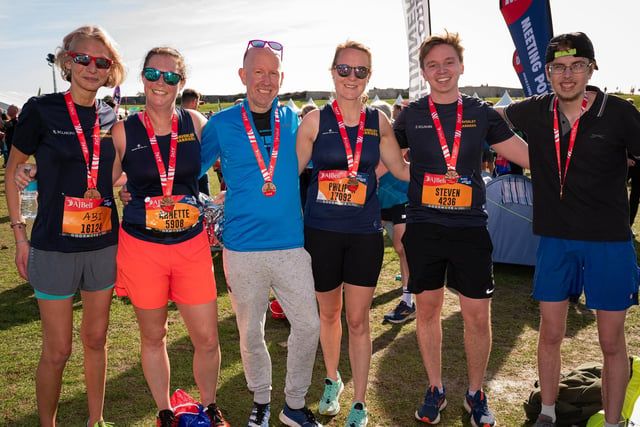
440, 193
183, 216
336, 188
84, 218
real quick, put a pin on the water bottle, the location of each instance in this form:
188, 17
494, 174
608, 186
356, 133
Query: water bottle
29, 205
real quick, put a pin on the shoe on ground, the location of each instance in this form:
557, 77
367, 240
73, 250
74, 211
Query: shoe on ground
401, 313
434, 402
260, 414
329, 404
215, 416
302, 417
477, 407
101, 423
167, 419
357, 416
544, 421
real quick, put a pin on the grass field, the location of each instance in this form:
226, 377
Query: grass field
397, 377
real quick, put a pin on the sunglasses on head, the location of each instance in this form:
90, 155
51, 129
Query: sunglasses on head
84, 59
169, 77
261, 44
344, 70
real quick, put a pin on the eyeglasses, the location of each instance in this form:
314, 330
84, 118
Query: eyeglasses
576, 68
169, 77
344, 70
84, 59
261, 44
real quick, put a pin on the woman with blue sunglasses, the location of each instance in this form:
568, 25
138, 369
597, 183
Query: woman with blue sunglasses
164, 251
75, 234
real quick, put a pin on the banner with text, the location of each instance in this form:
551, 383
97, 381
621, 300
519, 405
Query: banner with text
418, 23
530, 25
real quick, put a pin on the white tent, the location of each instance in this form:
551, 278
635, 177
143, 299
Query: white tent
505, 100
475, 95
399, 100
293, 106
310, 101
376, 99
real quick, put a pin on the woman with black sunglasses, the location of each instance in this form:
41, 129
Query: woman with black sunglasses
75, 234
345, 140
164, 251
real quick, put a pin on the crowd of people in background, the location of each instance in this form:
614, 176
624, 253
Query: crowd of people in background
321, 184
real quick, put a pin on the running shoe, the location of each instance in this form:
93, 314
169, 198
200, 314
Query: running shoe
167, 419
434, 402
401, 313
357, 416
260, 414
329, 404
302, 417
477, 407
215, 416
101, 423
544, 421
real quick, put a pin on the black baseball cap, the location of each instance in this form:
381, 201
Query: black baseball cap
570, 44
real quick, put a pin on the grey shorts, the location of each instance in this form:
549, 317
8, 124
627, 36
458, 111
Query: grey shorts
58, 275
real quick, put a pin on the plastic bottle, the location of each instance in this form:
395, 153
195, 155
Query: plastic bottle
29, 205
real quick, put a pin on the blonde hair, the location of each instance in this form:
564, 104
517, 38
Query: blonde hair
349, 44
116, 71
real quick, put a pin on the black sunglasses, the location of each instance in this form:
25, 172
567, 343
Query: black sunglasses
344, 70
84, 59
169, 77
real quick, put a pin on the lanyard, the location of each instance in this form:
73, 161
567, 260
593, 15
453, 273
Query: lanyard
450, 158
92, 168
166, 176
267, 174
353, 160
572, 139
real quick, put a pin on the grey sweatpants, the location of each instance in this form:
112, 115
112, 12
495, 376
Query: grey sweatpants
250, 276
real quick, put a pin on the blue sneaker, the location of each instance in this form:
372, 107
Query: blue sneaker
477, 407
434, 402
401, 313
329, 404
260, 414
302, 417
357, 416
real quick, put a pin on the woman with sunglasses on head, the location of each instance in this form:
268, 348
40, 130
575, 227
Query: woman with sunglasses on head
164, 250
75, 234
343, 230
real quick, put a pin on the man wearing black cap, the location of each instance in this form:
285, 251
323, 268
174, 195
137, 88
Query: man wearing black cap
578, 140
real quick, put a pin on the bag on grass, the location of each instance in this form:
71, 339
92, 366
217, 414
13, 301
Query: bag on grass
579, 396
187, 410
631, 405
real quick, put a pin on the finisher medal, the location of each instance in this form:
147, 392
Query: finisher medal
352, 184
452, 175
167, 204
92, 193
269, 189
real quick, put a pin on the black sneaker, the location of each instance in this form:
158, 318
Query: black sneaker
167, 419
260, 414
215, 416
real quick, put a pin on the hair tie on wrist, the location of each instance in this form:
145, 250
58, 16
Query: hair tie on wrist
18, 224
22, 241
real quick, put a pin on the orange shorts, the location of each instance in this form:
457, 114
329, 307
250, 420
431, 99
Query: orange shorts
150, 274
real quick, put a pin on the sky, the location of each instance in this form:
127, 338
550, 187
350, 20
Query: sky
212, 36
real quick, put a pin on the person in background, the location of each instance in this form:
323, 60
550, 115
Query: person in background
633, 176
164, 250
446, 234
191, 100
69, 136
579, 139
345, 140
263, 234
392, 194
9, 129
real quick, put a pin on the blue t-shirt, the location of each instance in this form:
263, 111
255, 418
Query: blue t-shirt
253, 221
45, 130
392, 191
143, 178
328, 155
